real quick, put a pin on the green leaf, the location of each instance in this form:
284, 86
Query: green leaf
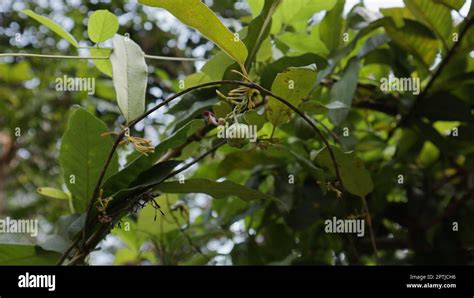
246, 160
343, 91
453, 4
26, 254
297, 13
271, 70
332, 26
415, 38
436, 16
355, 177
196, 79
259, 30
301, 42
53, 26
217, 190
105, 66
102, 25
53, 193
195, 14
222, 109
314, 107
130, 76
82, 155
292, 85
316, 172
254, 118
216, 67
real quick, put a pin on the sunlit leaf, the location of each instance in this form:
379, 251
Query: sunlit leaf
355, 177
102, 25
82, 155
195, 14
293, 85
130, 76
53, 26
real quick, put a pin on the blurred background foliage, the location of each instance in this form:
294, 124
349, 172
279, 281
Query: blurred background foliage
428, 141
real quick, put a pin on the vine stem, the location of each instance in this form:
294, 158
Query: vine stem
152, 57
177, 95
174, 58
50, 56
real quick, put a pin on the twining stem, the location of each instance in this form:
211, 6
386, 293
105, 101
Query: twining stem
442, 65
174, 58
152, 57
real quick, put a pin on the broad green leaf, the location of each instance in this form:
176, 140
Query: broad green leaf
53, 193
216, 67
217, 190
196, 79
195, 14
332, 25
398, 15
297, 13
26, 254
130, 76
53, 26
254, 118
343, 91
301, 43
271, 70
416, 39
293, 85
102, 25
105, 66
259, 29
144, 181
436, 16
246, 160
16, 72
355, 177
221, 109
429, 154
82, 155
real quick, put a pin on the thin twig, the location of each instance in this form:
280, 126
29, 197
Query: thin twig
119, 138
371, 230
50, 56
443, 64
67, 252
174, 58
